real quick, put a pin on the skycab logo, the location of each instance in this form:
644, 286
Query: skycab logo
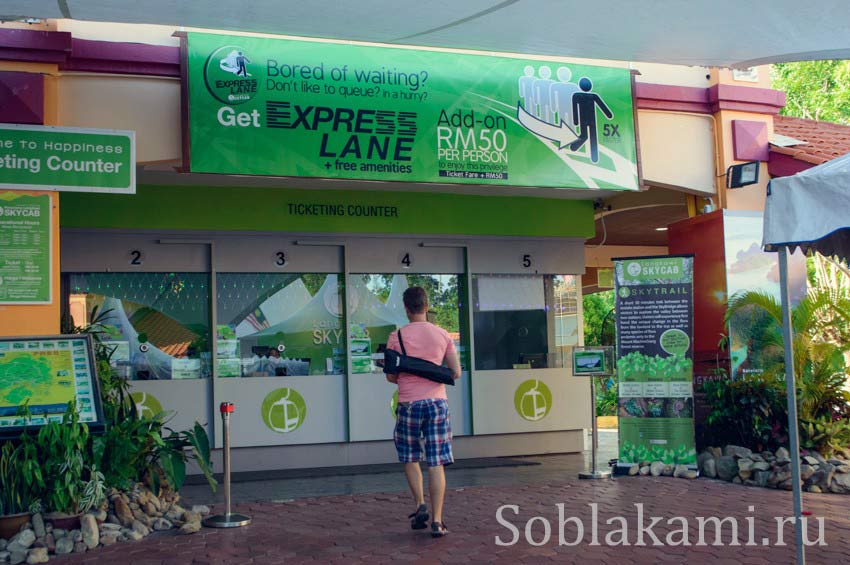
227, 75
20, 211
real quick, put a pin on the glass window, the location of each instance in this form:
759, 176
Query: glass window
376, 309
156, 323
278, 325
524, 321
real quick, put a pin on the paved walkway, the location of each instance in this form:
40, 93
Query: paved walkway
372, 526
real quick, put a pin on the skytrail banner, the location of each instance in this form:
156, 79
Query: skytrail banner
275, 107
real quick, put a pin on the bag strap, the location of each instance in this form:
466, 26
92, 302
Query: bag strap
401, 343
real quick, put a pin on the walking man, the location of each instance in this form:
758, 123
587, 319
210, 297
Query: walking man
423, 412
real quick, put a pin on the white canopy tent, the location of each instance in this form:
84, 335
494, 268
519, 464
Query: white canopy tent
718, 33
810, 210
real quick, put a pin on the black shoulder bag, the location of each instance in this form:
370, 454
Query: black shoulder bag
395, 363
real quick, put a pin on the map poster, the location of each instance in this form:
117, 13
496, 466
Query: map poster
41, 375
25, 249
654, 305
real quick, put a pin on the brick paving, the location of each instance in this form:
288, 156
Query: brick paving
372, 527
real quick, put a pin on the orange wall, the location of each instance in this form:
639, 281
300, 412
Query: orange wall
41, 319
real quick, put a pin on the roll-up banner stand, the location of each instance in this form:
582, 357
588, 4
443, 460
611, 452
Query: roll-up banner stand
654, 304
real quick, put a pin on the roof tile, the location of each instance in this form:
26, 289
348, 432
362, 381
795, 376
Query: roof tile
824, 140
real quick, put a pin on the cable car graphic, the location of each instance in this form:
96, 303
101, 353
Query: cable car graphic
291, 414
533, 405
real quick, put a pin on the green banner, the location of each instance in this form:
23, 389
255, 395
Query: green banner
655, 359
260, 106
67, 159
25, 249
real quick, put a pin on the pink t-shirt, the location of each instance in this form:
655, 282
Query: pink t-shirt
426, 341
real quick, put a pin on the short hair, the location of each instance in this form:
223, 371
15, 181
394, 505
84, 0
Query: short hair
415, 300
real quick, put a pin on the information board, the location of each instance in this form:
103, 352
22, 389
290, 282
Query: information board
25, 249
262, 106
654, 308
44, 374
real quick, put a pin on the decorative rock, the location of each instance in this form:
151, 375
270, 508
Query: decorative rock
89, 531
710, 469
110, 528
716, 452
123, 512
668, 470
811, 460
133, 535
80, 547
149, 509
806, 471
702, 458
787, 485
59, 533
814, 488
645, 463
782, 461
745, 464
840, 484
203, 509
140, 516
782, 453
680, 470
835, 461
633, 470
190, 516
745, 474
737, 451
113, 519
23, 539
823, 477
689, 474
38, 525
842, 469
108, 540
38, 555
737, 480
64, 545
761, 466
76, 535
4, 555
190, 528
761, 478
141, 528
18, 556
157, 503
727, 468
644, 471
99, 515
50, 543
756, 457
3, 544
654, 470
161, 524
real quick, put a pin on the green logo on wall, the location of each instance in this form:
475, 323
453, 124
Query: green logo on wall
146, 404
533, 400
284, 410
228, 77
624, 292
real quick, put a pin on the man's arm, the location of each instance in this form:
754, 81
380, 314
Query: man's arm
452, 360
605, 109
392, 343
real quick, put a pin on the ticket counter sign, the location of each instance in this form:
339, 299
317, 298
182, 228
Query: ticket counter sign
67, 159
655, 359
261, 106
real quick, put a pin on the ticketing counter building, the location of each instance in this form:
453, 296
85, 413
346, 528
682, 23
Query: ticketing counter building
277, 292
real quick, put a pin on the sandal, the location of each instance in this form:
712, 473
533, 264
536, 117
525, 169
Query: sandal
419, 519
439, 529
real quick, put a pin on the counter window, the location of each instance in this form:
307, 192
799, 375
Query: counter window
279, 325
156, 324
376, 309
524, 321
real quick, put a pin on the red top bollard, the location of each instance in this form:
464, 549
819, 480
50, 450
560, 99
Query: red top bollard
226, 407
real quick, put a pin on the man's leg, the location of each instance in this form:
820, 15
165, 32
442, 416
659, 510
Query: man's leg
437, 490
414, 481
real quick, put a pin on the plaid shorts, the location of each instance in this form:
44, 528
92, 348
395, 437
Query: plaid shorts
428, 419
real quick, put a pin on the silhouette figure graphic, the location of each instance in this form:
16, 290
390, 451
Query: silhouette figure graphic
526, 88
241, 70
584, 116
541, 95
561, 94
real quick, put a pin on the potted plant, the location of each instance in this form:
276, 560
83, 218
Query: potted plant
20, 483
